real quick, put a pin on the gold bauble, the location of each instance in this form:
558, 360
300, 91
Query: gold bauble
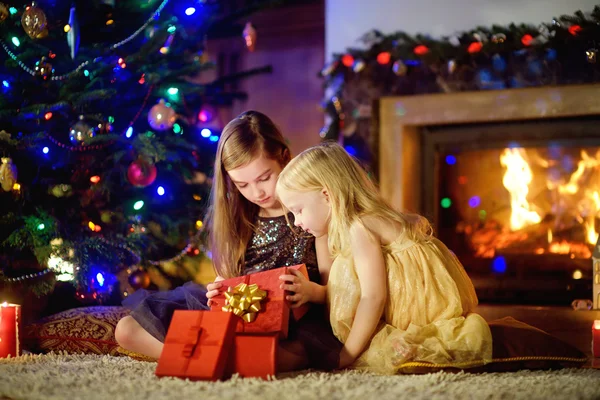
34, 22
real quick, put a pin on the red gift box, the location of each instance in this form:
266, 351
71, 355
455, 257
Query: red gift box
274, 311
254, 356
198, 345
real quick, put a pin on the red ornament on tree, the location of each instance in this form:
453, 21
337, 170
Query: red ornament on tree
141, 173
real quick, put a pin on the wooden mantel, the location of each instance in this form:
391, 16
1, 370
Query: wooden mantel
402, 118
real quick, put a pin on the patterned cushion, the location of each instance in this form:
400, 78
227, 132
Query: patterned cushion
89, 330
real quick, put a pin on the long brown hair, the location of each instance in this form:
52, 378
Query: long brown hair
231, 217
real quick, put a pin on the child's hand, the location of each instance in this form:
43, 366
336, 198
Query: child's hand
213, 289
300, 287
345, 358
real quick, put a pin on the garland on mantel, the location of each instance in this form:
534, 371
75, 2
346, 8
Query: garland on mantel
564, 51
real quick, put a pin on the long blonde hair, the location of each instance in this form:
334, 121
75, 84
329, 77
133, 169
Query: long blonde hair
351, 193
231, 217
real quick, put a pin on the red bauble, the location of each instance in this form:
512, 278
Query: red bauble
141, 173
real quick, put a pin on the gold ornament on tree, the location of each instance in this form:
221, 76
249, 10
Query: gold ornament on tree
4, 13
161, 116
8, 174
34, 22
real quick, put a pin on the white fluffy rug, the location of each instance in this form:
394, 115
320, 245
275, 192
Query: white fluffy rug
62, 376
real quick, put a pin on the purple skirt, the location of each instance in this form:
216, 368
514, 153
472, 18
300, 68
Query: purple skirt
154, 311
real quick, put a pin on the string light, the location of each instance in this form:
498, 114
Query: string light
31, 72
45, 150
205, 133
190, 11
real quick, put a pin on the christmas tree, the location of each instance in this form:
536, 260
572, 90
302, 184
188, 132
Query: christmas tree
106, 141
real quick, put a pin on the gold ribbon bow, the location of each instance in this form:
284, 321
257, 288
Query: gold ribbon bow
244, 301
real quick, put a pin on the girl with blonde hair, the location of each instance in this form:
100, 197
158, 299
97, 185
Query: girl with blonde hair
395, 293
248, 233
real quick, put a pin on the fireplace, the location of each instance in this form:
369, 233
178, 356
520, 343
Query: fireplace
509, 179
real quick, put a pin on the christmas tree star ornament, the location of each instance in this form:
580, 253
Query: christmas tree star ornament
73, 34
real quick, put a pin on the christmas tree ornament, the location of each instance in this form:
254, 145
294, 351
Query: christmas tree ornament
591, 55
4, 13
161, 116
81, 131
139, 279
249, 34
34, 22
399, 68
43, 68
141, 172
73, 34
8, 174
498, 38
106, 216
62, 190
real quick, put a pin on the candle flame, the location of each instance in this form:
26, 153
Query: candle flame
597, 325
5, 304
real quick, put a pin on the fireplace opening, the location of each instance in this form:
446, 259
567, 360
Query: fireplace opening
519, 204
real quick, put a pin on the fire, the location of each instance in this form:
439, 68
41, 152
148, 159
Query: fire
559, 219
516, 180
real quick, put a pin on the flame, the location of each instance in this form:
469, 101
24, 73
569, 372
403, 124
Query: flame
589, 206
516, 180
569, 223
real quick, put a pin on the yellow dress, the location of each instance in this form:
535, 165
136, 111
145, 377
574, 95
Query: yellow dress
428, 313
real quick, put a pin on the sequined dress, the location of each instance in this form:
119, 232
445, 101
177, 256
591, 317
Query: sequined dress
273, 245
